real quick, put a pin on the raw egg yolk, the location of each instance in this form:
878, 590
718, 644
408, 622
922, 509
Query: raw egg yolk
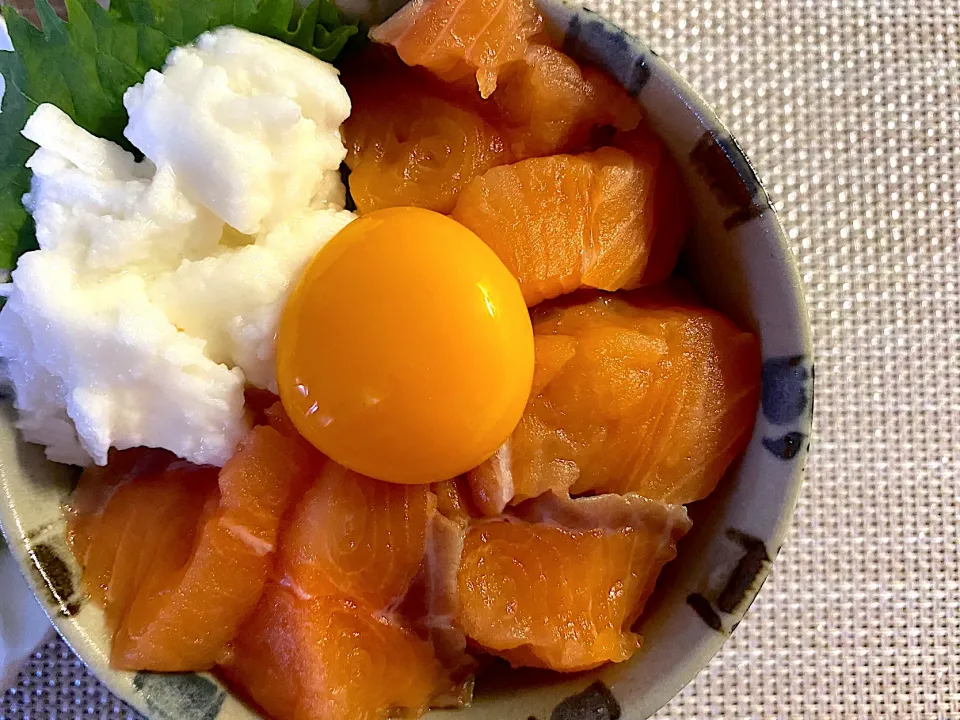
405, 352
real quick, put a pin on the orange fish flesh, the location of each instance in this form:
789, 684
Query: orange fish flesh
184, 555
548, 103
331, 658
565, 221
357, 537
560, 586
134, 519
456, 39
454, 500
672, 208
411, 142
658, 397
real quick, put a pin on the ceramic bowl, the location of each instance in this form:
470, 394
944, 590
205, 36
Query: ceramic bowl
739, 259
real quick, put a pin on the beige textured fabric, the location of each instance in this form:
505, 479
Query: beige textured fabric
850, 110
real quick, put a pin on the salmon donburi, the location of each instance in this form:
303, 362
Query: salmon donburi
373, 355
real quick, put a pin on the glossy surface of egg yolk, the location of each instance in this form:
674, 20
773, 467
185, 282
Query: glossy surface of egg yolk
406, 352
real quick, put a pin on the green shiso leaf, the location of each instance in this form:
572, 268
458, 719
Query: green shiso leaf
84, 65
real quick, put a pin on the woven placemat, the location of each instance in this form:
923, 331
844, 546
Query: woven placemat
850, 110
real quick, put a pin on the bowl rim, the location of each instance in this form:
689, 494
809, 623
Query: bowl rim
788, 262
678, 677
675, 679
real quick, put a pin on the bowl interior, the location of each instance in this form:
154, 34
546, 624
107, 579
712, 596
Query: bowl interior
739, 260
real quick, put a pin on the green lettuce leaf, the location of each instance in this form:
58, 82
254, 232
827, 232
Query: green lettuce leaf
84, 65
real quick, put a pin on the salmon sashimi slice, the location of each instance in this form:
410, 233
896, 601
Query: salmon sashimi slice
411, 142
672, 208
331, 658
453, 500
551, 354
123, 531
183, 555
491, 484
659, 397
181, 622
550, 104
383, 545
456, 39
357, 537
559, 588
566, 221
99, 482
